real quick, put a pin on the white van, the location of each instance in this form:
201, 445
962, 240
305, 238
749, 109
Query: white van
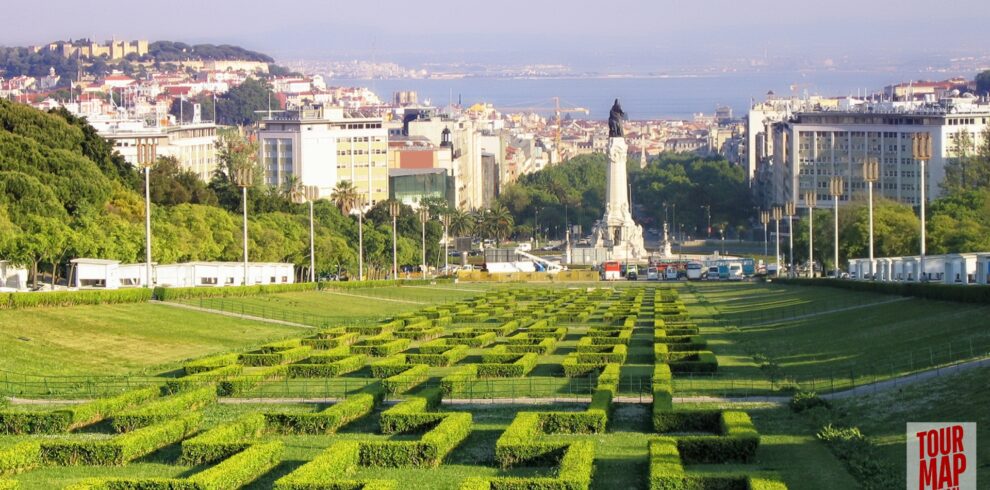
735, 272
694, 270
652, 274
671, 274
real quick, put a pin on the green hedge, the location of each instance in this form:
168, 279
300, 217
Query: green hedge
408, 379
330, 470
201, 378
414, 412
427, 452
70, 417
575, 468
663, 390
455, 382
521, 443
164, 409
73, 298
389, 366
332, 369
326, 421
120, 449
210, 363
381, 349
443, 359
173, 294
275, 357
240, 469
223, 440
520, 366
19, 457
689, 362
240, 384
926, 290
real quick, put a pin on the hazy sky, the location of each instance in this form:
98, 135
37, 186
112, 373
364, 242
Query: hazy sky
521, 30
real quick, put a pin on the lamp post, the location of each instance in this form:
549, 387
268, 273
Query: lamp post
146, 160
835, 187
708, 210
871, 173
922, 150
309, 194
765, 219
445, 219
789, 211
424, 216
811, 199
360, 202
394, 208
243, 178
777, 215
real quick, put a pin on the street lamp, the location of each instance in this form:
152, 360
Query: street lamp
811, 199
777, 215
922, 150
871, 173
765, 219
836, 187
309, 194
244, 177
708, 209
146, 160
424, 216
789, 211
394, 208
445, 219
360, 202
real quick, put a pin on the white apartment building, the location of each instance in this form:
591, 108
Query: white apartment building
193, 145
322, 146
811, 147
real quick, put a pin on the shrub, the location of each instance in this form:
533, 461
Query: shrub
241, 468
222, 440
199, 379
387, 348
120, 449
806, 400
692, 362
329, 470
268, 356
443, 359
173, 294
71, 417
429, 451
521, 366
72, 298
663, 391
412, 413
164, 409
416, 374
210, 363
19, 457
326, 421
520, 442
240, 384
328, 369
455, 382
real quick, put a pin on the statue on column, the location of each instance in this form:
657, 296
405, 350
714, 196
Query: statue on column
615, 118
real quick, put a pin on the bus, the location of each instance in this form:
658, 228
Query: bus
694, 271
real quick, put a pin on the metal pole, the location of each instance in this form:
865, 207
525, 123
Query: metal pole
446, 243
811, 241
312, 254
790, 244
922, 271
395, 258
869, 186
147, 225
776, 258
360, 245
835, 198
423, 230
244, 192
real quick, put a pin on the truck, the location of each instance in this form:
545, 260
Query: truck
611, 270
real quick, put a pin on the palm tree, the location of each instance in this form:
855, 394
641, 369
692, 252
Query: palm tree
461, 223
497, 223
291, 188
345, 196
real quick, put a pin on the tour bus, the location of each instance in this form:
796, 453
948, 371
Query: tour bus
611, 271
694, 271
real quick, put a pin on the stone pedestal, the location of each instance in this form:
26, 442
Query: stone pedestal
617, 232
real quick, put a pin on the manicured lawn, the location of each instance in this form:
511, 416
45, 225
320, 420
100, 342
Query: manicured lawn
961, 397
119, 339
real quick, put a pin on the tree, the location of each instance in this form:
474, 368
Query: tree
496, 223
239, 105
345, 196
170, 185
969, 165
461, 223
983, 83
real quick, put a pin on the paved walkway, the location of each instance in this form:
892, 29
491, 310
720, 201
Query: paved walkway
232, 314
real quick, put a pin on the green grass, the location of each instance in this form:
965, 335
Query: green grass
120, 339
954, 397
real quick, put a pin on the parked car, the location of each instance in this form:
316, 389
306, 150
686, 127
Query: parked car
673, 274
652, 274
632, 274
712, 274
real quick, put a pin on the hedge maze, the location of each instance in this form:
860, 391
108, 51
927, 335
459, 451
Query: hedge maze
404, 394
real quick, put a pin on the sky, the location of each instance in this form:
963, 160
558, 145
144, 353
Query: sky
612, 32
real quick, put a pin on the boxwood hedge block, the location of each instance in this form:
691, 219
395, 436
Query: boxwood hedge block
325, 421
241, 384
223, 440
210, 363
20, 456
67, 418
120, 449
663, 391
692, 361
457, 381
331, 470
513, 366
164, 409
202, 378
380, 347
441, 359
406, 380
332, 369
415, 411
270, 357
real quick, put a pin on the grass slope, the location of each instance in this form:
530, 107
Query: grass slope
119, 339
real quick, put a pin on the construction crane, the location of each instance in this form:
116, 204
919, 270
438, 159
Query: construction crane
557, 110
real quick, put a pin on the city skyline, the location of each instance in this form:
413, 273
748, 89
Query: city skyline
588, 36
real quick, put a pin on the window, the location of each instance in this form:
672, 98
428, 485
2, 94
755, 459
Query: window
230, 280
272, 281
285, 279
208, 281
